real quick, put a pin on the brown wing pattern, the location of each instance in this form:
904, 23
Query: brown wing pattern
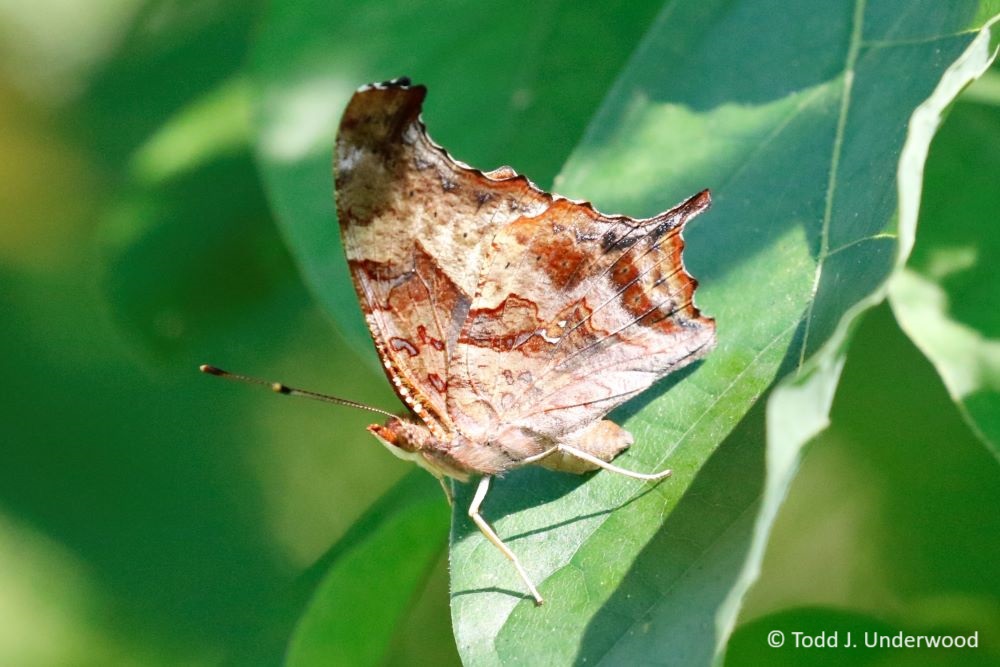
576, 312
415, 224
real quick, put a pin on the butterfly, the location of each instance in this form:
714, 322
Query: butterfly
508, 320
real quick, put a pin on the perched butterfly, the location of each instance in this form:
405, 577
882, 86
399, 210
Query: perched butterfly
508, 320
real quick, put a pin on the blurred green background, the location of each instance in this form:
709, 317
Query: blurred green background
150, 515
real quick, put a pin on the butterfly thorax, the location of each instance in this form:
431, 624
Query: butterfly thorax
456, 455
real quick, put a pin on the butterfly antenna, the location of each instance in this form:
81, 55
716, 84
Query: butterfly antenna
279, 388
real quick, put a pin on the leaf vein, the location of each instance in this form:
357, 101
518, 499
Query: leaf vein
853, 47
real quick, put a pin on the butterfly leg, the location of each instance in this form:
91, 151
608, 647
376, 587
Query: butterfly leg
587, 457
477, 500
590, 458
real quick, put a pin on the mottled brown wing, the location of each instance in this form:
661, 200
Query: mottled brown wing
415, 224
575, 312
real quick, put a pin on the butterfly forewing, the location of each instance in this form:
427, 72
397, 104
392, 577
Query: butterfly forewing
415, 224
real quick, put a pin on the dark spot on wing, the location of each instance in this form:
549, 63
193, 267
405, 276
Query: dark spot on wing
611, 241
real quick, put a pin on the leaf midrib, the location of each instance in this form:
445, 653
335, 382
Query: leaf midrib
850, 61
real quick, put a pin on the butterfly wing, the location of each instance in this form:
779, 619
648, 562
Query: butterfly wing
496, 307
576, 312
415, 224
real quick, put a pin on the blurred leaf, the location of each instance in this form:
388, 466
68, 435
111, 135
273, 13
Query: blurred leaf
750, 641
371, 577
948, 297
41, 230
174, 51
844, 634
799, 130
896, 464
424, 636
192, 257
49, 49
509, 82
986, 90
211, 126
189, 247
143, 479
52, 610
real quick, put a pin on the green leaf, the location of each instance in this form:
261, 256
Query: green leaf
856, 531
948, 298
188, 244
799, 129
168, 56
508, 85
371, 577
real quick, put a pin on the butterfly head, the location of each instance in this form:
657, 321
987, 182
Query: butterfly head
413, 441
